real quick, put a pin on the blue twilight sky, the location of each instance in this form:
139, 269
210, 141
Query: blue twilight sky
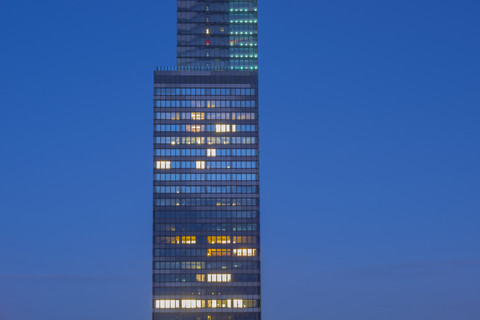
370, 158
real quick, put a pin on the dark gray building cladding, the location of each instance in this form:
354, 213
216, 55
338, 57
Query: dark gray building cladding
206, 246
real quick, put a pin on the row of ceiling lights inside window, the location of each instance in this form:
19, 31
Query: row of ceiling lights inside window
242, 10
207, 32
244, 56
244, 21
244, 68
207, 8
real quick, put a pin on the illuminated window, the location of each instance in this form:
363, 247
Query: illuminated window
169, 240
193, 304
167, 304
219, 239
237, 303
183, 240
219, 303
219, 253
163, 164
244, 239
207, 31
211, 152
245, 252
200, 165
200, 277
189, 240
222, 29
208, 42
199, 304
194, 128
219, 277
225, 128
198, 115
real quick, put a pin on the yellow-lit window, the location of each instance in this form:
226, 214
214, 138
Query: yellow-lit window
167, 304
163, 164
245, 252
165, 240
189, 240
219, 277
244, 239
211, 152
219, 239
200, 165
219, 253
200, 277
194, 128
197, 115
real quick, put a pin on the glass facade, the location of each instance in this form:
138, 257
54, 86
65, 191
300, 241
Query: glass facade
206, 197
217, 34
206, 246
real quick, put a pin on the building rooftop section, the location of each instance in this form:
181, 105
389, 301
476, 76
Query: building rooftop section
221, 33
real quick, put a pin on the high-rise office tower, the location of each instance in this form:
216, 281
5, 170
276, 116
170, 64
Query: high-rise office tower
217, 34
206, 246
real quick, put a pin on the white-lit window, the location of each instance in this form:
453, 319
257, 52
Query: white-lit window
219, 278
245, 252
207, 31
237, 303
163, 164
225, 128
193, 304
167, 304
211, 152
200, 165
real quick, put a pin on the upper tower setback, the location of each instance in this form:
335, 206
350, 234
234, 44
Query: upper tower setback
217, 34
